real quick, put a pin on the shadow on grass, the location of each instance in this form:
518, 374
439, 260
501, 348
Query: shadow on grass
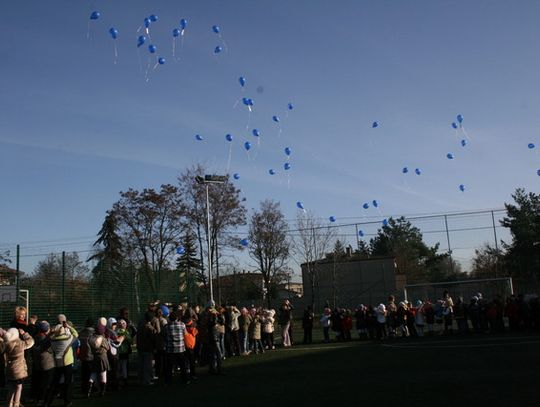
356, 373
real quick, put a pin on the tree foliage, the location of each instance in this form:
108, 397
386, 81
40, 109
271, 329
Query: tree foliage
522, 255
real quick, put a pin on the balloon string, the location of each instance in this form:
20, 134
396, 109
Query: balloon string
147, 69
224, 43
236, 104
465, 133
115, 53
88, 31
181, 45
249, 118
174, 48
229, 160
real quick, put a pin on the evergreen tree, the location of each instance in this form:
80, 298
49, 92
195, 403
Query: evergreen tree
190, 269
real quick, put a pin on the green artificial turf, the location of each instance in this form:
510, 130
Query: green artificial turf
484, 370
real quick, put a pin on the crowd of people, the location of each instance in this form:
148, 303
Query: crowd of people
181, 339
168, 340
445, 316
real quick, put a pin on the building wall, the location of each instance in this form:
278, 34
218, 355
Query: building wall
350, 282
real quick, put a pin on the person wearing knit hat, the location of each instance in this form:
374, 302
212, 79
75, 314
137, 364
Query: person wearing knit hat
43, 363
16, 368
99, 347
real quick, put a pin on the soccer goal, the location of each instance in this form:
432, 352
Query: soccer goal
489, 288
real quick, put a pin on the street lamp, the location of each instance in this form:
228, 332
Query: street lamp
207, 180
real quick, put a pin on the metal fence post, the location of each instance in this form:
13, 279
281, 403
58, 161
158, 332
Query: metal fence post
17, 275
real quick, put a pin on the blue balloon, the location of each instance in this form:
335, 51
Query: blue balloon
300, 205
250, 102
256, 133
236, 176
290, 106
180, 250
198, 137
176, 32
247, 145
375, 125
405, 170
461, 187
244, 242
95, 15
365, 206
217, 50
114, 33
538, 173
287, 166
450, 156
152, 48
228, 137
459, 118
147, 22
463, 143
375, 203
418, 171
275, 118
183, 24
332, 218
530, 145
242, 81
360, 233
385, 222
153, 18
271, 172
161, 61
245, 101
288, 151
216, 29
454, 125
141, 40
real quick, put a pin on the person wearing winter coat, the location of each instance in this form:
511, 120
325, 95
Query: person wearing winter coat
14, 343
124, 350
268, 328
420, 319
147, 331
114, 343
99, 346
62, 337
42, 363
85, 354
244, 321
285, 319
190, 342
307, 324
175, 348
255, 333
326, 323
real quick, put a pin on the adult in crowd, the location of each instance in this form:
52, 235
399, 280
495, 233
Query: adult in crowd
42, 363
99, 346
85, 353
285, 318
62, 338
307, 324
19, 320
14, 343
174, 345
147, 331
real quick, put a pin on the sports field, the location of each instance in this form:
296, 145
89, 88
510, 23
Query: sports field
472, 371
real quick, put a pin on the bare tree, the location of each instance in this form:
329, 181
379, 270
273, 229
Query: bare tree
151, 225
311, 242
269, 245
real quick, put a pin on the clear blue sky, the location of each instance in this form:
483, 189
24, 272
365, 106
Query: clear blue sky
75, 128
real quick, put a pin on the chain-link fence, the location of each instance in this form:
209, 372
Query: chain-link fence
59, 279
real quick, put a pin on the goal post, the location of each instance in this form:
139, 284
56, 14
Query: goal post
489, 288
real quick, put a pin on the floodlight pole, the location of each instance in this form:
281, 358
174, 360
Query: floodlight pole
208, 241
210, 179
